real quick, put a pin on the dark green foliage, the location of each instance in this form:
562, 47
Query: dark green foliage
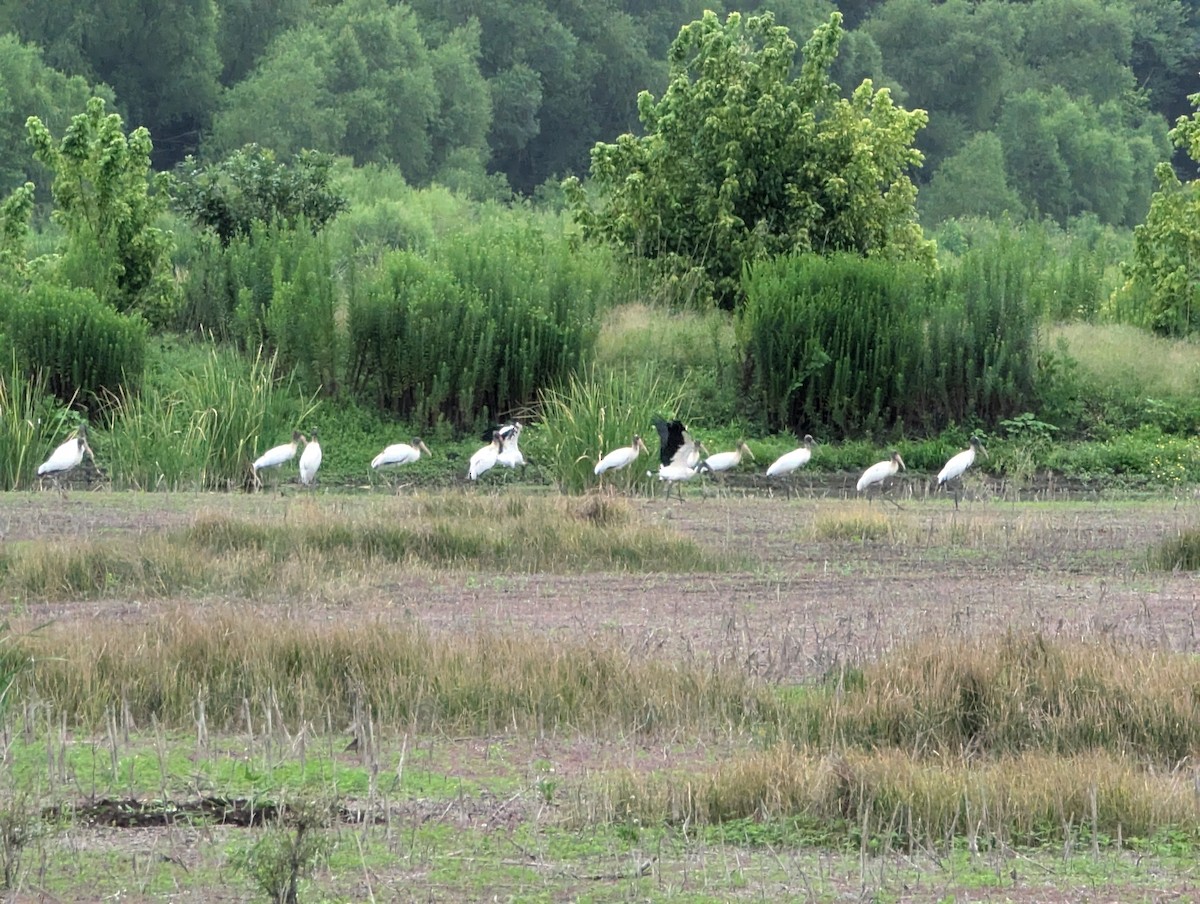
250, 186
473, 331
82, 350
848, 346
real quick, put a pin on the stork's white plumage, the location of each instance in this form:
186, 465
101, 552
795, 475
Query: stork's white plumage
67, 456
958, 464
510, 452
278, 455
791, 461
880, 471
621, 458
679, 454
310, 460
726, 461
400, 454
484, 459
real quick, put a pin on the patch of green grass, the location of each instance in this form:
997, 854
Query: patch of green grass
1180, 552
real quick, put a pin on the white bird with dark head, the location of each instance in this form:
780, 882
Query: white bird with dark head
620, 458
794, 460
67, 456
400, 454
881, 471
510, 452
484, 459
310, 460
957, 466
726, 461
278, 455
679, 454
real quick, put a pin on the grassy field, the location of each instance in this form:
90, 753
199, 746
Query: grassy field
510, 695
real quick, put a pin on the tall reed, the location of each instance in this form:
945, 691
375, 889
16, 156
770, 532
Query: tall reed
31, 425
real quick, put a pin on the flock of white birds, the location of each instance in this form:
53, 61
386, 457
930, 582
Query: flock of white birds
681, 458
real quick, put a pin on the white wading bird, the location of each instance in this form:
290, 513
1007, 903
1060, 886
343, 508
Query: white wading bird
399, 454
67, 456
510, 453
310, 460
726, 461
484, 459
785, 464
957, 466
679, 454
276, 456
620, 458
880, 471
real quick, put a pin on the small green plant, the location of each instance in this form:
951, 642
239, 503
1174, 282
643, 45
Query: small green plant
288, 851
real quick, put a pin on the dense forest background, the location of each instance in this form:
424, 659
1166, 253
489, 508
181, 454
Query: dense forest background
897, 221
1046, 108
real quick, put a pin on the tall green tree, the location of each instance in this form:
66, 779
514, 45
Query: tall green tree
108, 201
1166, 248
28, 84
740, 161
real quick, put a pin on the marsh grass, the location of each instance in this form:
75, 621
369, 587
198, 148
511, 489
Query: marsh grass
593, 414
403, 676
890, 799
305, 549
861, 526
31, 425
1180, 552
203, 427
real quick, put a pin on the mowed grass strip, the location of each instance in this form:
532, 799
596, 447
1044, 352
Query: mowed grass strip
308, 545
893, 798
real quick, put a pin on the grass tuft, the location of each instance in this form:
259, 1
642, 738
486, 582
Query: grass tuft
1178, 553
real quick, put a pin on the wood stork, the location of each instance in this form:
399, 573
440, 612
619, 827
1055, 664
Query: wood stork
726, 461
310, 460
67, 456
957, 466
880, 471
788, 462
510, 453
785, 464
620, 458
679, 454
277, 455
485, 458
399, 454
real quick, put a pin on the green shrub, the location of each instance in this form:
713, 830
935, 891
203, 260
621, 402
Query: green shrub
471, 332
80, 349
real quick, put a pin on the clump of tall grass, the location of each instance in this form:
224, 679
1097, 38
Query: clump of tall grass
309, 550
590, 415
1180, 552
891, 798
204, 427
240, 663
946, 696
31, 425
862, 525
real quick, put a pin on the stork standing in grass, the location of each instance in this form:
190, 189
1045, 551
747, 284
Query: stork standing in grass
310, 460
880, 472
957, 466
484, 459
276, 456
67, 456
726, 461
399, 454
785, 464
620, 458
510, 452
679, 454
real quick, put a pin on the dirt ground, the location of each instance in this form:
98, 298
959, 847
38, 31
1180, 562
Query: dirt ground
814, 594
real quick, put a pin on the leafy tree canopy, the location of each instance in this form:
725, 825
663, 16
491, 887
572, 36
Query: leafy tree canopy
108, 202
1166, 248
741, 161
249, 185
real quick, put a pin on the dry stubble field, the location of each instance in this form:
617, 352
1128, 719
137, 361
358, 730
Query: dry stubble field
828, 582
